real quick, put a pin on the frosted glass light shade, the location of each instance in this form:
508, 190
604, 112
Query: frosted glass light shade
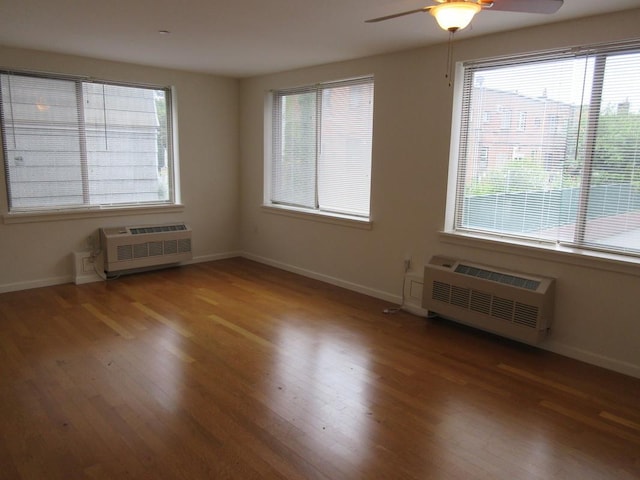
453, 16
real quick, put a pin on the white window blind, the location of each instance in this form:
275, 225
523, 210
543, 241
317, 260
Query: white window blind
550, 148
71, 143
321, 138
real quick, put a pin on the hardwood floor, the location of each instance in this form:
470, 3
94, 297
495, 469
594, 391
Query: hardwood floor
233, 369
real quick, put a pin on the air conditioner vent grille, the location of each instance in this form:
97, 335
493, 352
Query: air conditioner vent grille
497, 307
158, 229
441, 291
150, 249
141, 250
499, 277
184, 245
526, 315
170, 247
155, 248
125, 252
460, 296
502, 308
480, 302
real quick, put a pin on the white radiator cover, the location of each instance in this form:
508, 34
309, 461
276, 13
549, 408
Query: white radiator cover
145, 246
512, 304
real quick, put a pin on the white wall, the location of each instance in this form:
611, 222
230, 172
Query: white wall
597, 312
39, 253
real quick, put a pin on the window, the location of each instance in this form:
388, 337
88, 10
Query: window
73, 143
574, 175
321, 147
483, 160
505, 121
522, 121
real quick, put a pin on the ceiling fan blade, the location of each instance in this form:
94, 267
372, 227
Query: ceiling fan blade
395, 15
527, 6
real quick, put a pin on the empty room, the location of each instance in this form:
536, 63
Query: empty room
375, 239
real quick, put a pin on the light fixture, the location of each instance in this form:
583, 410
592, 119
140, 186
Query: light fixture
455, 15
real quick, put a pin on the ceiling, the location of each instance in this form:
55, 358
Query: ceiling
242, 38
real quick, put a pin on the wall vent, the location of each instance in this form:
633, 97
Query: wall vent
128, 248
512, 304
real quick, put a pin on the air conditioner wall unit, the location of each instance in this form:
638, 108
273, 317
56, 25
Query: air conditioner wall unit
145, 246
508, 303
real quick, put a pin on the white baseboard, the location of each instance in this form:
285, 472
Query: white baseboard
89, 277
44, 282
592, 358
212, 257
409, 304
372, 292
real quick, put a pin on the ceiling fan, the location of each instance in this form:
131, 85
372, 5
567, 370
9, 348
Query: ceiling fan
454, 15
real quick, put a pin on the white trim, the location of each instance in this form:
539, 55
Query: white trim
172, 137
58, 215
355, 287
28, 285
454, 147
591, 358
267, 148
212, 257
319, 216
87, 278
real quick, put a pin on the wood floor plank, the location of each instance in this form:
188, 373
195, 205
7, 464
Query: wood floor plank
162, 319
237, 370
107, 320
620, 420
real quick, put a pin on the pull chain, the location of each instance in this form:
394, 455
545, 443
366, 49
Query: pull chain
449, 74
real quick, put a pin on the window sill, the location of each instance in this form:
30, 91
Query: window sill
58, 215
541, 251
333, 218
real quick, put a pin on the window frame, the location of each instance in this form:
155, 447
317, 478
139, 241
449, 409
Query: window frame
572, 252
296, 211
88, 210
